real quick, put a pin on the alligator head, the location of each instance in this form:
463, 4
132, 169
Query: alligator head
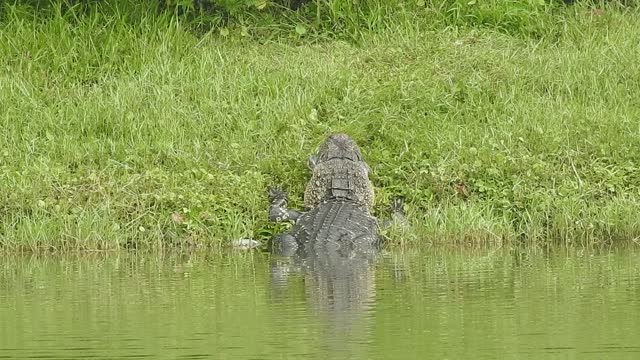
337, 146
339, 172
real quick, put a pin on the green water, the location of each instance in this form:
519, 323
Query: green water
435, 305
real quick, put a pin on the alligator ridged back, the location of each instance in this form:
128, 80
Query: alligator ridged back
336, 224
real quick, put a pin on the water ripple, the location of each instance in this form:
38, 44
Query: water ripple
482, 305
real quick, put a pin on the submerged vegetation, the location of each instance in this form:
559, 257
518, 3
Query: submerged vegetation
125, 126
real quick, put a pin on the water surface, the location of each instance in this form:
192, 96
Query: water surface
422, 304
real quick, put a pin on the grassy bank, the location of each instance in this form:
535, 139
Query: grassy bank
145, 134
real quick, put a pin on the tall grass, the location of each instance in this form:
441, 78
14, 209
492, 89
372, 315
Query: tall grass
123, 128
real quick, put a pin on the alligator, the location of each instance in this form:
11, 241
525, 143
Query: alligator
338, 204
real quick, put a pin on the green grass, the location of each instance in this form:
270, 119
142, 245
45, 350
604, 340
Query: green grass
111, 123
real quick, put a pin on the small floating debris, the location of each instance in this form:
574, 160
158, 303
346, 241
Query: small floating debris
245, 244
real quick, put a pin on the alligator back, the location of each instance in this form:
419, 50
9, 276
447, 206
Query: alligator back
340, 179
340, 227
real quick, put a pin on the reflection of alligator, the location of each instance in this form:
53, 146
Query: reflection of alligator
338, 291
338, 198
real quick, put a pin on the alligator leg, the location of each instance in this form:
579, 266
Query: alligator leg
283, 245
396, 210
278, 211
312, 161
